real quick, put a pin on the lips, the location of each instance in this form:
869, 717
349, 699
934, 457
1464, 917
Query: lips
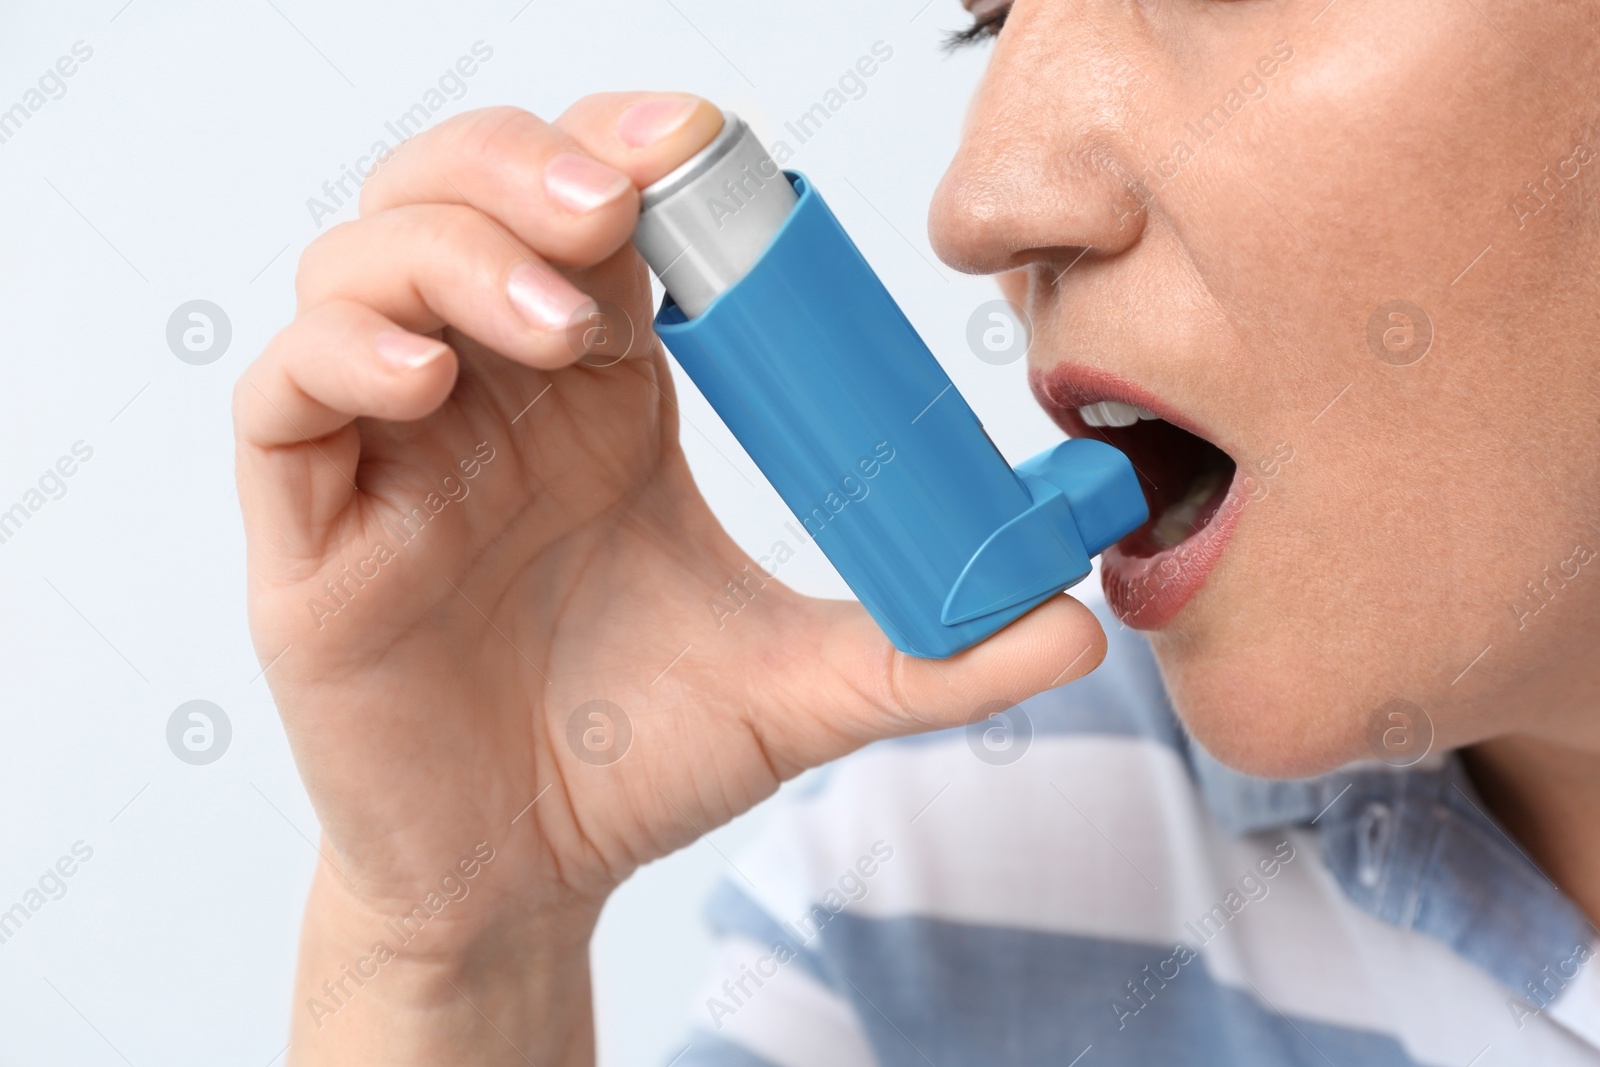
1191, 486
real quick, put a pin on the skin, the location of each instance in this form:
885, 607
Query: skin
430, 709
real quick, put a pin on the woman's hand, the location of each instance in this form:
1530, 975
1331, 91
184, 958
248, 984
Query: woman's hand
478, 563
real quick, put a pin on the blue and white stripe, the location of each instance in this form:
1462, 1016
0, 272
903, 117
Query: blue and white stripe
1116, 897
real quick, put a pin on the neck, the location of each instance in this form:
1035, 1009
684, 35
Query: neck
1545, 795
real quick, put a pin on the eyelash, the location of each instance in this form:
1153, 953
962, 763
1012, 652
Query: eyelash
973, 35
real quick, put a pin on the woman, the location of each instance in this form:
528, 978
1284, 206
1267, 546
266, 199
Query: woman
1345, 251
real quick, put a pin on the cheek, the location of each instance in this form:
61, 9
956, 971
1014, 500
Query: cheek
1390, 564
1423, 496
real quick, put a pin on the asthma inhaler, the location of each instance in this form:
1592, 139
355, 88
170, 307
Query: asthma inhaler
780, 322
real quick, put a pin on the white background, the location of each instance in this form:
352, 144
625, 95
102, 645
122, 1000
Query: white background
177, 166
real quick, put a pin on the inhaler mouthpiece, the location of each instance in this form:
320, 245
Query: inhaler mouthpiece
703, 226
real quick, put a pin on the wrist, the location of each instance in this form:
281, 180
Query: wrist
379, 987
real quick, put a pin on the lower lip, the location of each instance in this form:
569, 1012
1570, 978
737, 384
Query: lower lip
1147, 592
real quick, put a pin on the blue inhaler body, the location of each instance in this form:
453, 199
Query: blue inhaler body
797, 345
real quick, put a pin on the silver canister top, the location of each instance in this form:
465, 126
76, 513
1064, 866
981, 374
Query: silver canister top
705, 224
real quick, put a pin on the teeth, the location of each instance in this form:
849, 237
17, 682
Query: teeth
1113, 413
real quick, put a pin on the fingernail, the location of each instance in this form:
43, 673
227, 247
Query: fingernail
542, 297
650, 120
408, 351
579, 183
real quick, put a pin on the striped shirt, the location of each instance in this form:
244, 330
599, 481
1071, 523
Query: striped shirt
1075, 882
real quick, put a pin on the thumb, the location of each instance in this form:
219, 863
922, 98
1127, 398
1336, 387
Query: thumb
890, 694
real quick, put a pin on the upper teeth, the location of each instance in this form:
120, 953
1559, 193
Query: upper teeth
1113, 413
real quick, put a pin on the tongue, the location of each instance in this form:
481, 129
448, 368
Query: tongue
1186, 515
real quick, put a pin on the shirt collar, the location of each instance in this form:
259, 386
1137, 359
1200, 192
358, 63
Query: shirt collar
1416, 848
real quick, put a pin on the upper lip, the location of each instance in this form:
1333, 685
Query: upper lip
1066, 387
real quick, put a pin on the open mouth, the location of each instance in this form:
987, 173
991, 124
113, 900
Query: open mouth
1185, 477
1188, 482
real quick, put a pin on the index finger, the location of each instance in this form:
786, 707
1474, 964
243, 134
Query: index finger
515, 167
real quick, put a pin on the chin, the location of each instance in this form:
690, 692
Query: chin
1251, 710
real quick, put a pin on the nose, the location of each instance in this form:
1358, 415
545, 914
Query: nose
1045, 173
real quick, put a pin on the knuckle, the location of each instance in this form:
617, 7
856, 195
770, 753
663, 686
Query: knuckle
449, 240
238, 401
894, 686
247, 389
317, 260
504, 140
446, 230
431, 149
